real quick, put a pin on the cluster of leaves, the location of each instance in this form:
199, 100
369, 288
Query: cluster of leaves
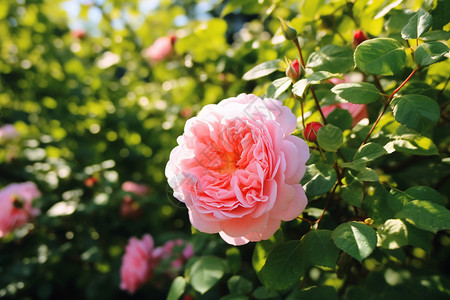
92, 106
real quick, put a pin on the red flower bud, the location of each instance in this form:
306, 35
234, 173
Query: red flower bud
90, 181
295, 71
310, 131
359, 37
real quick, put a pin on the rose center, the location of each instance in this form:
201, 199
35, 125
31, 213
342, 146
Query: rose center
229, 160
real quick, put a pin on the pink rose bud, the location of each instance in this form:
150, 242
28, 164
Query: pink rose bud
135, 188
358, 37
8, 133
138, 263
310, 131
160, 49
295, 71
16, 205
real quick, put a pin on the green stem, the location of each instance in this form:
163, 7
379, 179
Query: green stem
387, 105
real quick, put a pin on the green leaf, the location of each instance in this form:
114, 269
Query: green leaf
380, 56
319, 178
315, 78
415, 111
278, 87
205, 273
262, 69
425, 193
314, 293
426, 215
318, 249
177, 288
284, 266
239, 285
430, 53
262, 250
340, 118
369, 152
355, 239
418, 24
440, 14
353, 194
412, 144
365, 174
357, 92
376, 204
330, 138
435, 35
331, 58
263, 292
396, 233
233, 257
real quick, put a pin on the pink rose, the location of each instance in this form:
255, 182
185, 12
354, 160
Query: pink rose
160, 49
138, 263
237, 168
358, 111
15, 205
135, 188
8, 133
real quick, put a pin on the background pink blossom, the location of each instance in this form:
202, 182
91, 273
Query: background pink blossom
160, 49
16, 205
237, 168
8, 132
138, 263
357, 111
136, 188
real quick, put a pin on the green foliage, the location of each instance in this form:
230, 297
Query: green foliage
357, 92
330, 137
380, 56
356, 239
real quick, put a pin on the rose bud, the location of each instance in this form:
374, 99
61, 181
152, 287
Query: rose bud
295, 71
310, 131
90, 181
288, 32
359, 37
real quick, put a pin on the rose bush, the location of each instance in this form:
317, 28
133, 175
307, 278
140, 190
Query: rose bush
237, 168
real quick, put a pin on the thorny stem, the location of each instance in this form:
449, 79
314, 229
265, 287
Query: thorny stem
387, 105
302, 61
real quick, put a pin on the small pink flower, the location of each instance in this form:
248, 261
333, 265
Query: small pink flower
8, 133
135, 188
16, 205
358, 111
160, 49
237, 168
138, 263
188, 251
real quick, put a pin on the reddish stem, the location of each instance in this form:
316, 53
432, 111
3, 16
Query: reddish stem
387, 105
